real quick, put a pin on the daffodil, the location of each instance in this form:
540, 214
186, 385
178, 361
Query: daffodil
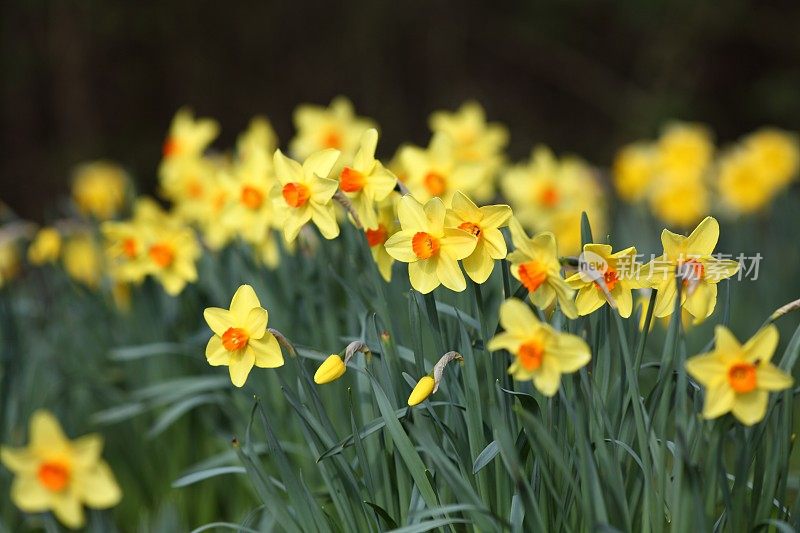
435, 172
603, 273
689, 258
777, 154
45, 247
249, 212
241, 339
98, 188
680, 201
377, 235
684, 151
335, 127
739, 377
304, 193
189, 137
366, 181
259, 139
431, 250
483, 222
422, 390
60, 475
9, 256
172, 252
330, 370
83, 260
534, 262
634, 170
541, 353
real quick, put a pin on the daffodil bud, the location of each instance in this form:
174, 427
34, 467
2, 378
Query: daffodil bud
330, 370
422, 390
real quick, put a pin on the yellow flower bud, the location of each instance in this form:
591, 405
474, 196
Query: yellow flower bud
45, 247
330, 370
421, 392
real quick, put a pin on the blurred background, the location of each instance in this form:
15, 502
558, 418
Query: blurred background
88, 80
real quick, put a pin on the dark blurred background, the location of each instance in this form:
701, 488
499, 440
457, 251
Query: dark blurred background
89, 79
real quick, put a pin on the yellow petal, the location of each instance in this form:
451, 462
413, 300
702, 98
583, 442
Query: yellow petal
365, 156
256, 323
267, 351
294, 222
422, 390
457, 243
45, 432
719, 269
479, 264
324, 217
287, 170
240, 365
422, 275
544, 244
564, 294
517, 318
589, 299
494, 242
750, 408
547, 378
504, 341
495, 216
702, 301
435, 211
771, 378
449, 273
665, 298
412, 215
724, 340
719, 400
86, 450
330, 370
97, 487
703, 239
465, 207
673, 244
761, 346
624, 300
544, 296
399, 246
216, 354
519, 237
706, 368
570, 352
320, 163
244, 300
68, 509
30, 495
322, 190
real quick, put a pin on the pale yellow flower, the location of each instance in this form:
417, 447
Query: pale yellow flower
377, 236
83, 260
320, 128
634, 170
98, 188
56, 474
172, 252
45, 247
188, 137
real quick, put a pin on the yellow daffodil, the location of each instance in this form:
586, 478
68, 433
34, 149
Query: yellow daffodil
259, 139
172, 252
431, 250
484, 223
634, 170
241, 339
684, 151
304, 193
619, 273
680, 201
98, 188
331, 369
83, 260
189, 137
422, 390
335, 127
738, 378
249, 213
125, 251
435, 171
777, 154
377, 235
56, 474
366, 181
691, 259
189, 184
548, 194
45, 247
534, 262
541, 353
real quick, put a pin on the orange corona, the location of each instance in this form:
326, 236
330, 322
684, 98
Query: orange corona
424, 245
351, 180
532, 274
296, 194
234, 339
435, 184
53, 475
332, 139
549, 196
252, 197
470, 227
742, 377
376, 236
162, 254
530, 355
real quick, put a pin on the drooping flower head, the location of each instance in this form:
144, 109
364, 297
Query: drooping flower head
739, 377
541, 353
241, 339
60, 475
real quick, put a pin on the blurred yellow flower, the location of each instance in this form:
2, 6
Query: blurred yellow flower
241, 339
98, 188
619, 272
681, 201
46, 246
304, 193
171, 252
435, 172
634, 170
83, 260
550, 195
534, 262
431, 250
366, 181
320, 128
483, 222
691, 259
541, 353
684, 150
56, 474
249, 211
377, 236
422, 390
188, 137
738, 378
9, 258
259, 139
331, 369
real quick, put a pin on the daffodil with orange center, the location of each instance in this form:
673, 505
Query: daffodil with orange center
541, 353
431, 250
60, 475
304, 193
249, 211
98, 188
188, 137
366, 181
689, 258
739, 377
378, 235
602, 270
483, 222
534, 262
241, 339
171, 252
